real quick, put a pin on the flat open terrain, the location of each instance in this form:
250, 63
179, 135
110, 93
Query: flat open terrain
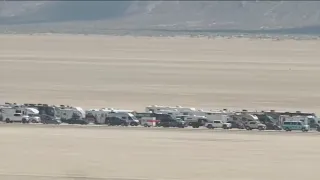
61, 153
130, 72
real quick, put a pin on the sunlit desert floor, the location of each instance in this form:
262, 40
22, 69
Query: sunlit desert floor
44, 152
133, 72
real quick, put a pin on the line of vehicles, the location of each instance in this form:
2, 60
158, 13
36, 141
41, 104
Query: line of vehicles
160, 116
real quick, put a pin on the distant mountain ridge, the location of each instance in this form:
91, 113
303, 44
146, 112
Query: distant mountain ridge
246, 15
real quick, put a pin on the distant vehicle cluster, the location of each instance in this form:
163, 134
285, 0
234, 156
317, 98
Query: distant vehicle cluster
160, 116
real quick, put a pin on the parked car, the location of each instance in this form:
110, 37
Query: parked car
75, 121
171, 123
116, 121
46, 119
34, 119
16, 117
217, 124
272, 126
255, 125
236, 125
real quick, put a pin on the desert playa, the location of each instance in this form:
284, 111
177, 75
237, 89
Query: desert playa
133, 72
46, 152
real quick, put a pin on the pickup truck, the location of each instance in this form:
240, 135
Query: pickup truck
17, 117
217, 124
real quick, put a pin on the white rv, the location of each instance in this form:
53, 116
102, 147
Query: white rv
243, 116
32, 111
46, 113
33, 114
117, 110
173, 112
158, 109
13, 114
68, 112
98, 116
219, 115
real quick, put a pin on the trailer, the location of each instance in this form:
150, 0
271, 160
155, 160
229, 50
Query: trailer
149, 121
96, 116
99, 116
269, 121
276, 115
240, 119
9, 109
180, 109
47, 113
243, 116
71, 115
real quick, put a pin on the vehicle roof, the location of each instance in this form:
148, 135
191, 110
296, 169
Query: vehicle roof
33, 110
292, 121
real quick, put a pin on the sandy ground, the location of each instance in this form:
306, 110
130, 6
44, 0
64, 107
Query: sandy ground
92, 153
129, 72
